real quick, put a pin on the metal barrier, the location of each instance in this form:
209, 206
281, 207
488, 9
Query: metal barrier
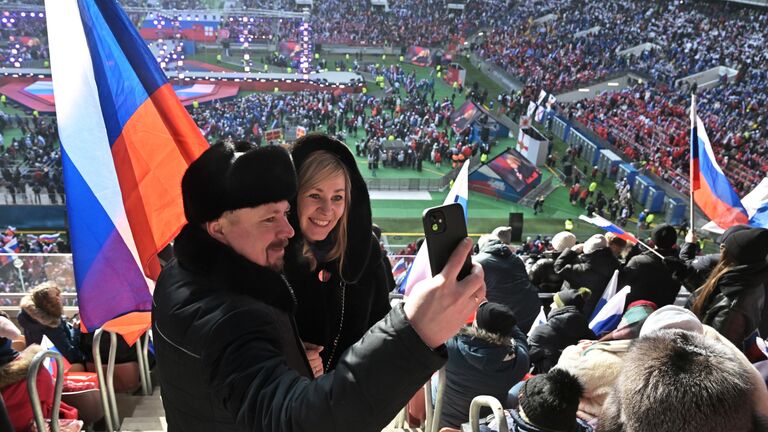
34, 397
433, 413
492, 403
107, 385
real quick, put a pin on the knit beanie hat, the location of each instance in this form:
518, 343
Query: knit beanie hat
672, 317
664, 236
730, 231
495, 318
550, 401
572, 297
223, 179
594, 243
748, 246
563, 240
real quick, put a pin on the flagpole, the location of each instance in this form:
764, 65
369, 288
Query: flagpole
641, 243
694, 142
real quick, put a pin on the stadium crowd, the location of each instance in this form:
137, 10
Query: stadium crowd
586, 361
30, 166
577, 44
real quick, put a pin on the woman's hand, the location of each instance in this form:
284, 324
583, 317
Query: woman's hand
315, 361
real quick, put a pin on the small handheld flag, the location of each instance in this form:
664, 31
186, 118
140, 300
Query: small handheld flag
609, 316
610, 291
605, 224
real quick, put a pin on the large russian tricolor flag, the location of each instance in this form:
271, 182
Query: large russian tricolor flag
126, 142
711, 190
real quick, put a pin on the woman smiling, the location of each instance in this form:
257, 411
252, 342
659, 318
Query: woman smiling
333, 262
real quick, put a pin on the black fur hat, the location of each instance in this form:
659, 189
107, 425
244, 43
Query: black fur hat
223, 179
550, 400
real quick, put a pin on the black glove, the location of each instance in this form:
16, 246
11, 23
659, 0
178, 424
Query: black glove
680, 270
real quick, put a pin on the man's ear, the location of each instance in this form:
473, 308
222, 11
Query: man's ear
215, 229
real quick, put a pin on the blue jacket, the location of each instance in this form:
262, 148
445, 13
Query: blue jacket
481, 363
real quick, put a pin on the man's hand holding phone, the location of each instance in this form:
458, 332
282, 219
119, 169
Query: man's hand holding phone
439, 306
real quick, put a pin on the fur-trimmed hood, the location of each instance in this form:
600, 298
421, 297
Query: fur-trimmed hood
359, 221
486, 350
16, 370
197, 252
44, 316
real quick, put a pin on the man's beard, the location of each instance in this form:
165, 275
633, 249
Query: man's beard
277, 265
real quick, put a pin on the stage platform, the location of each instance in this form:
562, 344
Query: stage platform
33, 88
37, 94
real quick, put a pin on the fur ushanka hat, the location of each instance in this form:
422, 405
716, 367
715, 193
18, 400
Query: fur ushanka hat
223, 179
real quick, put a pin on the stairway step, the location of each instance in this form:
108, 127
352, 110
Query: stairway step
144, 424
148, 412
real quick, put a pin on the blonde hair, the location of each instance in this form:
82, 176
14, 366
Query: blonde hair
725, 265
319, 166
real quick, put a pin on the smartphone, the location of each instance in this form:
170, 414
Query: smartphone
444, 228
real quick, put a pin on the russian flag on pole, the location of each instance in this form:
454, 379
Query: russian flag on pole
609, 316
711, 190
610, 291
420, 269
605, 224
126, 142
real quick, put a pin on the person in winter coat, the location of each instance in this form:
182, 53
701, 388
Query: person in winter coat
700, 267
566, 325
507, 282
486, 358
334, 261
597, 365
732, 298
227, 346
14, 368
542, 270
591, 269
42, 315
647, 274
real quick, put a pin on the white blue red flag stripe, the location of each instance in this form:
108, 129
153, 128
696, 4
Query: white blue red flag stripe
610, 291
711, 190
420, 269
610, 315
607, 225
126, 142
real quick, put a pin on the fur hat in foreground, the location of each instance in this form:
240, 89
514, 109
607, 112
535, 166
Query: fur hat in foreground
675, 380
223, 179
